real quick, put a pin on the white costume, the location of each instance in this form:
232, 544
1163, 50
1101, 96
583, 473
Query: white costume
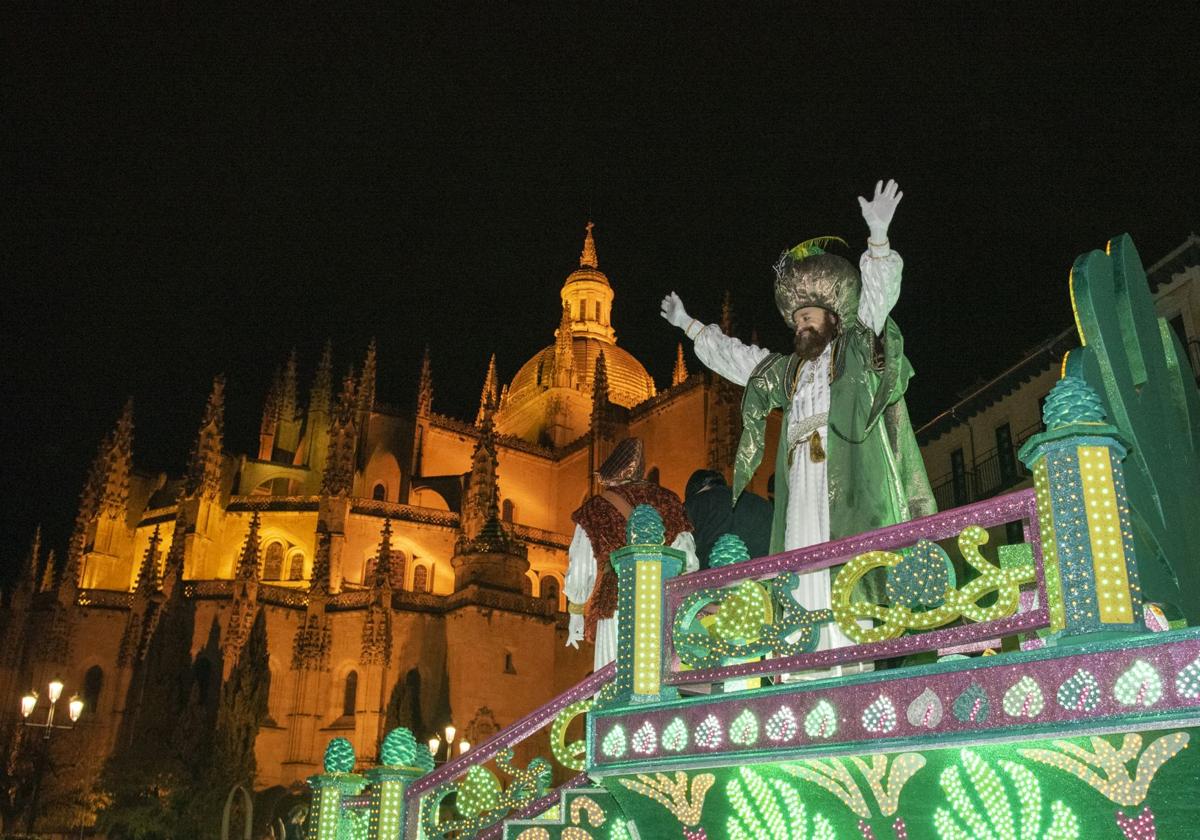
581, 578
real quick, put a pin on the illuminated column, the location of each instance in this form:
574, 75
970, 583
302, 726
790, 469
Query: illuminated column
1087, 535
388, 785
642, 566
328, 790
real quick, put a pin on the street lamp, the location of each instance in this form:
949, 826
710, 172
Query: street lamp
28, 706
446, 741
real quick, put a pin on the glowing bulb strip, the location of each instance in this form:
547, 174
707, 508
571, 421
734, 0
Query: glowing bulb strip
647, 633
1109, 564
1054, 598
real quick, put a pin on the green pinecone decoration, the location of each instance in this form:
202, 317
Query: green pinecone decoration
645, 527
399, 748
728, 548
339, 756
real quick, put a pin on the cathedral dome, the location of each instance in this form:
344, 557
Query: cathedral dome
584, 332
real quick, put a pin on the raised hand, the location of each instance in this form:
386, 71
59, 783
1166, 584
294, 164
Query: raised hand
673, 311
878, 212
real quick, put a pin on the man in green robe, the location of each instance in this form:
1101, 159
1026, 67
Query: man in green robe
847, 460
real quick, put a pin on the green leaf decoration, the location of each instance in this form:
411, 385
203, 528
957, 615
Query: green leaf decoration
708, 733
972, 705
821, 722
645, 527
675, 736
399, 748
479, 792
921, 579
814, 246
741, 616
926, 711
645, 740
781, 725
1187, 681
1024, 699
880, 716
339, 756
614, 744
744, 729
1011, 808
1140, 685
728, 549
1080, 692
770, 808
1136, 363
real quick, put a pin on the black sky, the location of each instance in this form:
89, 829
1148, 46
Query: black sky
185, 193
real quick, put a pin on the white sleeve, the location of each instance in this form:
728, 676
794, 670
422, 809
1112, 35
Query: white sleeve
726, 355
581, 568
685, 542
880, 288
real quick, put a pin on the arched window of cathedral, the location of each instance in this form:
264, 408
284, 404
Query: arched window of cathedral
93, 681
273, 562
420, 579
508, 509
549, 589
597, 310
379, 493
652, 476
296, 566
350, 694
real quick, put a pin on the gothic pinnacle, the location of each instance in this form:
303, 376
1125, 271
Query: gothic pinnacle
490, 398
204, 467
383, 560
600, 384
247, 567
587, 259
365, 399
322, 388
287, 391
681, 372
33, 565
148, 577
425, 387
119, 457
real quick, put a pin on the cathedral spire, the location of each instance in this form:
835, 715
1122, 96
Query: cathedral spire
489, 400
318, 584
50, 574
321, 393
681, 372
587, 259
204, 467
727, 314
34, 564
600, 385
247, 566
564, 352
425, 387
365, 398
115, 492
483, 490
382, 577
148, 580
270, 418
338, 478
287, 390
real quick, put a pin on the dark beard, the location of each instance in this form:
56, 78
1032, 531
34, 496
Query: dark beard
810, 343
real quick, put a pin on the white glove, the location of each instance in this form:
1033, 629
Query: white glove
878, 212
673, 311
574, 631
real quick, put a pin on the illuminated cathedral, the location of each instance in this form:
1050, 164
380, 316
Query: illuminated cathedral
409, 564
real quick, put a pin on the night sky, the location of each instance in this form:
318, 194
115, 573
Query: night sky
183, 194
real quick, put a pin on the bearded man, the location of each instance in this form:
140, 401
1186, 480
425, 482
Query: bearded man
591, 581
847, 460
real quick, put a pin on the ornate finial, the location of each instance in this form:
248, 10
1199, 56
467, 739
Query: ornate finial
148, 580
490, 398
587, 259
681, 372
1072, 400
115, 491
383, 559
425, 388
204, 467
247, 568
322, 388
563, 375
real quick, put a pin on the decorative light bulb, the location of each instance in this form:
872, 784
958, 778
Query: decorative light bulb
75, 708
56, 688
434, 742
464, 746
28, 704
450, 730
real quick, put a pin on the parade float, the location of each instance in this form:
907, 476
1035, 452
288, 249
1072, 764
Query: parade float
1034, 669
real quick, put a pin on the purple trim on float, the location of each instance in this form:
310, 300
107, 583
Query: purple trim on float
940, 526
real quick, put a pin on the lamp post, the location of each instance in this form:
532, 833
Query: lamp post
445, 741
28, 705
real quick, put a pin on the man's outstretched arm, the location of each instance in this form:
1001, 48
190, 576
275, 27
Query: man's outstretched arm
719, 352
879, 265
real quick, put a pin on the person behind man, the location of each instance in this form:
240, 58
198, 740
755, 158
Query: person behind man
591, 581
709, 504
847, 460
